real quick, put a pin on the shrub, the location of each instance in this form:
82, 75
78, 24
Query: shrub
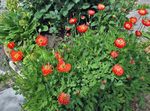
25, 19
56, 18
18, 27
90, 85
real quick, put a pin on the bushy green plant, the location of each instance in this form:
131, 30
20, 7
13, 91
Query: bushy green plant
12, 5
18, 26
25, 19
60, 11
91, 84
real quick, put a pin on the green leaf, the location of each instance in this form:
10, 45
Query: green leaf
44, 28
53, 30
67, 7
50, 15
94, 23
102, 87
112, 1
76, 1
85, 6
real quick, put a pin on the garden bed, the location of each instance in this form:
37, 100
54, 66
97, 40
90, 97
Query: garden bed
61, 53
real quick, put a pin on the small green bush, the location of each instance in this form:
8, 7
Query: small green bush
56, 13
23, 20
18, 27
91, 84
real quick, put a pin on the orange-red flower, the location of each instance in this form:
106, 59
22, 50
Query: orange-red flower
82, 28
128, 25
41, 40
114, 54
57, 55
118, 70
91, 12
133, 20
11, 45
47, 69
63, 67
146, 22
63, 98
142, 12
120, 42
16, 55
100, 7
73, 20
138, 33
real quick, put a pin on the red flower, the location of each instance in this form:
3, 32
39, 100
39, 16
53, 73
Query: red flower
41, 40
11, 45
91, 12
100, 7
63, 67
59, 58
142, 12
57, 55
128, 25
114, 54
47, 69
63, 98
73, 20
133, 20
120, 43
82, 28
82, 17
68, 28
118, 70
16, 55
138, 33
68, 34
146, 22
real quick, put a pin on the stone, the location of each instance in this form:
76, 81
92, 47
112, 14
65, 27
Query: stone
9, 101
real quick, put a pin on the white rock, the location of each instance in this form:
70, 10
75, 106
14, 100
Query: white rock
9, 101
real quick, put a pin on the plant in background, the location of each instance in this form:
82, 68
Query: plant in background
56, 15
18, 25
25, 20
12, 5
92, 80
143, 19
19, 28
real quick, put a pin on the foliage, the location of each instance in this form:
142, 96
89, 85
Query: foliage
146, 34
12, 5
25, 19
91, 63
18, 27
90, 84
6, 81
59, 12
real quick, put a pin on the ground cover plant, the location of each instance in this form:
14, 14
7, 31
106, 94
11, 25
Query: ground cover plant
98, 66
85, 75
